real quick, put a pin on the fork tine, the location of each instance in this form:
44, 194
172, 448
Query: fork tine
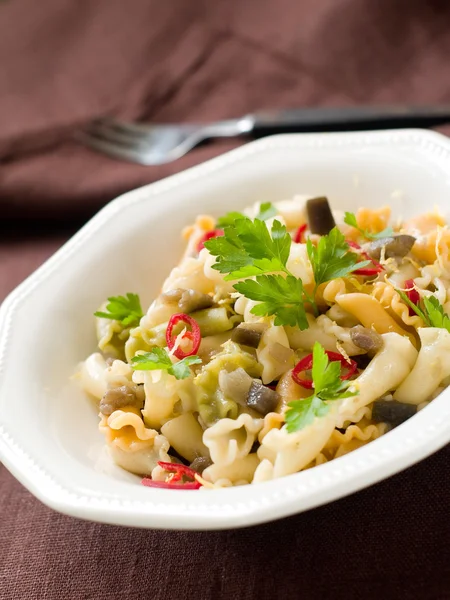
129, 153
108, 130
134, 129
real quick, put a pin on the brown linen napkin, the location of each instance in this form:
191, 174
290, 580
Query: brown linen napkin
67, 63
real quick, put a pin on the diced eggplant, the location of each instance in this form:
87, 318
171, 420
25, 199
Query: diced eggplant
392, 412
248, 334
200, 463
261, 398
366, 339
320, 217
394, 246
187, 300
280, 353
235, 385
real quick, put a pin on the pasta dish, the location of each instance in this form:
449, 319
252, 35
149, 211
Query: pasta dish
288, 335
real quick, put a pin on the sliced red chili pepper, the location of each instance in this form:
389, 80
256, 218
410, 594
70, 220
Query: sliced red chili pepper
299, 236
177, 468
207, 236
174, 483
306, 364
190, 485
367, 271
413, 295
194, 335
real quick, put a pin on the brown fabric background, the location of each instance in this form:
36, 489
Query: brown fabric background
65, 62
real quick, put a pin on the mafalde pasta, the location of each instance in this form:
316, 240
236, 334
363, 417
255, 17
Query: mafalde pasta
289, 335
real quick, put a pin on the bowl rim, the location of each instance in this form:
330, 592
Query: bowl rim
233, 507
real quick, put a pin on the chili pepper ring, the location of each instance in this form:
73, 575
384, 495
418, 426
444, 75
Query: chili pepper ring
194, 335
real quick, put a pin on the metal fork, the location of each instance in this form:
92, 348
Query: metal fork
158, 144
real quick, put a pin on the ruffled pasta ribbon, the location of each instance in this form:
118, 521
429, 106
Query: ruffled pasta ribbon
126, 430
390, 300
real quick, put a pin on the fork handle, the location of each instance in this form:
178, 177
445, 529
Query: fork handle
348, 118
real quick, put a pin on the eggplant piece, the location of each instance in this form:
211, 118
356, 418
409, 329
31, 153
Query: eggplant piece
248, 334
394, 246
366, 339
235, 385
320, 217
188, 300
261, 398
392, 412
200, 463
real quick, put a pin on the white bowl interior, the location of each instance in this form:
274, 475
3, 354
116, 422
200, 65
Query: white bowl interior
132, 245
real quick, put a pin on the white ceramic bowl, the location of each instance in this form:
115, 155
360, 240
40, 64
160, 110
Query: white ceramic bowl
48, 428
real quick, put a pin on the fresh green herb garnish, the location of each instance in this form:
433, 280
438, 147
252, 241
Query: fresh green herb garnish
436, 314
159, 359
432, 312
266, 211
281, 296
228, 219
332, 258
125, 309
248, 249
328, 387
350, 219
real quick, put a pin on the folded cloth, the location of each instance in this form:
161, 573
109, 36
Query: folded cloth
67, 63
389, 541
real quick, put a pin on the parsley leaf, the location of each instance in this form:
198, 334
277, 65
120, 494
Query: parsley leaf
228, 219
248, 249
266, 211
350, 219
432, 313
125, 309
159, 359
436, 315
328, 386
229, 250
332, 258
303, 412
279, 296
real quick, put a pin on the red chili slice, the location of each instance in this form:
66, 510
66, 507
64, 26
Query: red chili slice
191, 485
177, 468
207, 236
413, 295
299, 236
194, 335
179, 471
306, 364
366, 271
